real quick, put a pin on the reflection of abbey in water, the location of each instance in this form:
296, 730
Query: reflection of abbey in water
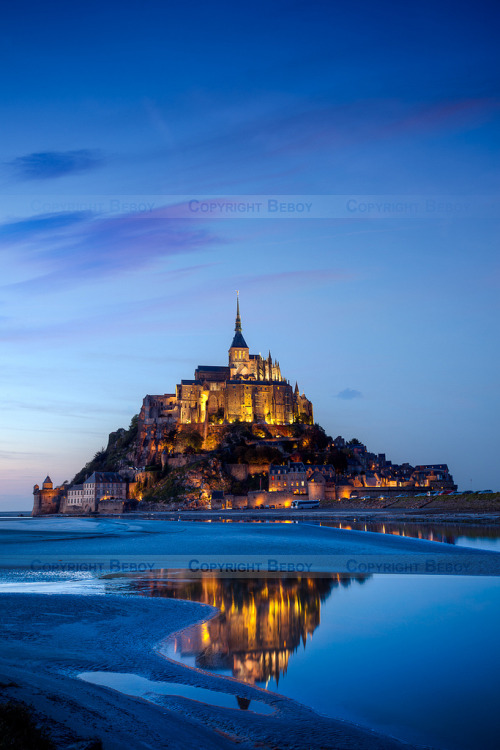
262, 621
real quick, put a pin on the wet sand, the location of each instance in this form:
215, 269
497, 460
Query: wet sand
47, 641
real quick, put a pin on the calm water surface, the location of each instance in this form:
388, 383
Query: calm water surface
479, 536
414, 657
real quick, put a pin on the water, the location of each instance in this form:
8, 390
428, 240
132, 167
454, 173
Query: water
414, 657
479, 536
140, 687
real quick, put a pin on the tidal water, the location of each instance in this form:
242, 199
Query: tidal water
414, 657
474, 535
140, 687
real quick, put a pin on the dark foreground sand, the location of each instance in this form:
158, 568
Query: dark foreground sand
48, 640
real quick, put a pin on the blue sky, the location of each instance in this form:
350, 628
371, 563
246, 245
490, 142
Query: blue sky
115, 116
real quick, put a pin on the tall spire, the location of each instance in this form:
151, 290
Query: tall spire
237, 327
238, 340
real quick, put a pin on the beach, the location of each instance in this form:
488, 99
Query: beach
49, 640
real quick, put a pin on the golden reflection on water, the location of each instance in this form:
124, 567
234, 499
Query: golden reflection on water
262, 621
442, 532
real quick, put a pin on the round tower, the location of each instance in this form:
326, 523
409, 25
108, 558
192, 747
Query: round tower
316, 486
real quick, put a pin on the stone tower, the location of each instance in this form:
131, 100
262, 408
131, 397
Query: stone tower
239, 353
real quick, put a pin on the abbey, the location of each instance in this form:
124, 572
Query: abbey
249, 389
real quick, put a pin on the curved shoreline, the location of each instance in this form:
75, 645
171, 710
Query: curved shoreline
43, 651
48, 640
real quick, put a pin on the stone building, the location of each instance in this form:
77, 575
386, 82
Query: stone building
103, 485
75, 496
250, 388
433, 477
291, 478
316, 486
48, 499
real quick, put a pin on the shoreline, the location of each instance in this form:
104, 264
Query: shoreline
461, 509
125, 634
48, 640
321, 514
434, 515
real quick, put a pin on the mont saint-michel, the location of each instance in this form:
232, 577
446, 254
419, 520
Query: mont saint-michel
236, 435
248, 389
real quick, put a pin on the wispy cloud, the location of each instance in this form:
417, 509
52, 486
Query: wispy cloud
47, 165
71, 247
118, 313
21, 455
348, 394
61, 408
311, 276
271, 138
38, 226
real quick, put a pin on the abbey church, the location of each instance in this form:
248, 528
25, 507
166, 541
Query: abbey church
249, 389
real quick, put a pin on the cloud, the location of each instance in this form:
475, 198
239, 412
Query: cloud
313, 277
70, 247
26, 229
21, 455
61, 408
118, 313
47, 165
349, 393
289, 129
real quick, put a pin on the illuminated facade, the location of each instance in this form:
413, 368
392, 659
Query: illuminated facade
250, 388
47, 499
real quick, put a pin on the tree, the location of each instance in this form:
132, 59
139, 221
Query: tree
190, 439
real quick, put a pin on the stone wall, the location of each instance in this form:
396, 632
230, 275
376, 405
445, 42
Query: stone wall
237, 471
278, 499
177, 462
235, 501
47, 501
258, 469
241, 472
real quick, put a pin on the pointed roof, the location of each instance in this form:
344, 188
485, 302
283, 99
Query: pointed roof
47, 480
238, 340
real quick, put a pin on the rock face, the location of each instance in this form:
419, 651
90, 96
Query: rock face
193, 482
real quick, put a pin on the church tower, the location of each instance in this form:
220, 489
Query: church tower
239, 353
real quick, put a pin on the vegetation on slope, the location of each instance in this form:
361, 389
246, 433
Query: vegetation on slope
115, 456
207, 468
